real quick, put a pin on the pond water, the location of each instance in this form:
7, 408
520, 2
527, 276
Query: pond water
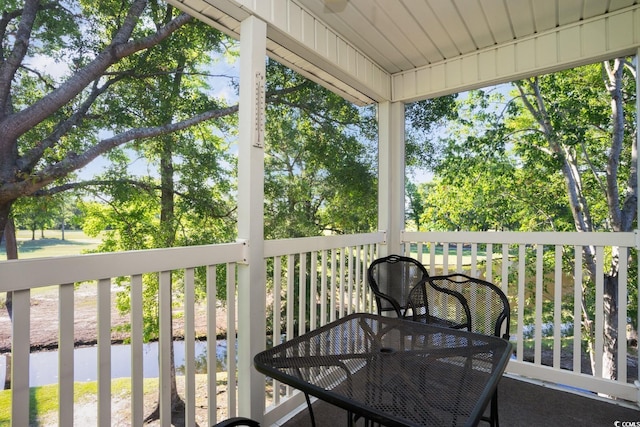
43, 365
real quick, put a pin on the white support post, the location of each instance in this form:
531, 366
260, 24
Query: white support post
391, 173
251, 275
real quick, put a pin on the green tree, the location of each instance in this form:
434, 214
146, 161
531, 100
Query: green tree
580, 123
51, 125
559, 156
425, 121
36, 214
121, 69
320, 160
416, 195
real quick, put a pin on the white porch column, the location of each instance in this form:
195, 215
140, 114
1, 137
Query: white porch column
391, 173
251, 275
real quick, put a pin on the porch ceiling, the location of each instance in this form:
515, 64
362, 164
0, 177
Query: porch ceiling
375, 50
402, 35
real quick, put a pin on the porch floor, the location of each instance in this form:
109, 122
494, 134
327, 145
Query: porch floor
521, 403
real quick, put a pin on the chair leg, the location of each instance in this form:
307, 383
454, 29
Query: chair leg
313, 419
494, 410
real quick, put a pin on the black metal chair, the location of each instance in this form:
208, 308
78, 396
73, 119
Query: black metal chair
238, 421
440, 306
484, 308
391, 279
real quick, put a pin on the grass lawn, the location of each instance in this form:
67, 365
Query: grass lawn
44, 399
75, 242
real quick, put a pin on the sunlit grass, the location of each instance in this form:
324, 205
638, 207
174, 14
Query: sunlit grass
43, 400
75, 242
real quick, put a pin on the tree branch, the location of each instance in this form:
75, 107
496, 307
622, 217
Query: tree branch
30, 159
17, 124
93, 183
74, 161
10, 65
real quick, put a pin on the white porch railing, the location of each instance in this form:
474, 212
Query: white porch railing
312, 281
545, 293
23, 276
325, 277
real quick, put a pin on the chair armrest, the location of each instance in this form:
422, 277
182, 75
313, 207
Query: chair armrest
238, 421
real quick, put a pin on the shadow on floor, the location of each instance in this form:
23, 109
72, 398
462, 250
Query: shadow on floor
521, 403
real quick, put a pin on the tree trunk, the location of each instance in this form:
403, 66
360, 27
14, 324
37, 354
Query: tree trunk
7, 373
621, 219
11, 246
12, 253
168, 223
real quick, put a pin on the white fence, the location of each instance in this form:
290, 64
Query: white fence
23, 276
545, 290
312, 281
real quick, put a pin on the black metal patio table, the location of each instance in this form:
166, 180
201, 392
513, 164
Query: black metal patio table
393, 371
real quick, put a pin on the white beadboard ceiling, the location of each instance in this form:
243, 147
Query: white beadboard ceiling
401, 35
403, 50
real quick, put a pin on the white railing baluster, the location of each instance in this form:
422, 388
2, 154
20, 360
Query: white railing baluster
445, 258
577, 309
505, 268
419, 246
65, 354
20, 349
212, 331
357, 265
277, 328
334, 285
349, 299
164, 347
341, 281
557, 308
599, 317
488, 272
232, 383
474, 260
521, 299
137, 356
374, 250
189, 348
432, 258
290, 296
104, 352
538, 304
302, 294
313, 292
323, 288
622, 314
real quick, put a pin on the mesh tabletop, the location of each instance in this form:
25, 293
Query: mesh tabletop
393, 371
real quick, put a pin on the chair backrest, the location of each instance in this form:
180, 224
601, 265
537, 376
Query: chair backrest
488, 305
438, 306
391, 278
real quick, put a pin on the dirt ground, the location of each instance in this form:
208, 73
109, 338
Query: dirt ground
44, 331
